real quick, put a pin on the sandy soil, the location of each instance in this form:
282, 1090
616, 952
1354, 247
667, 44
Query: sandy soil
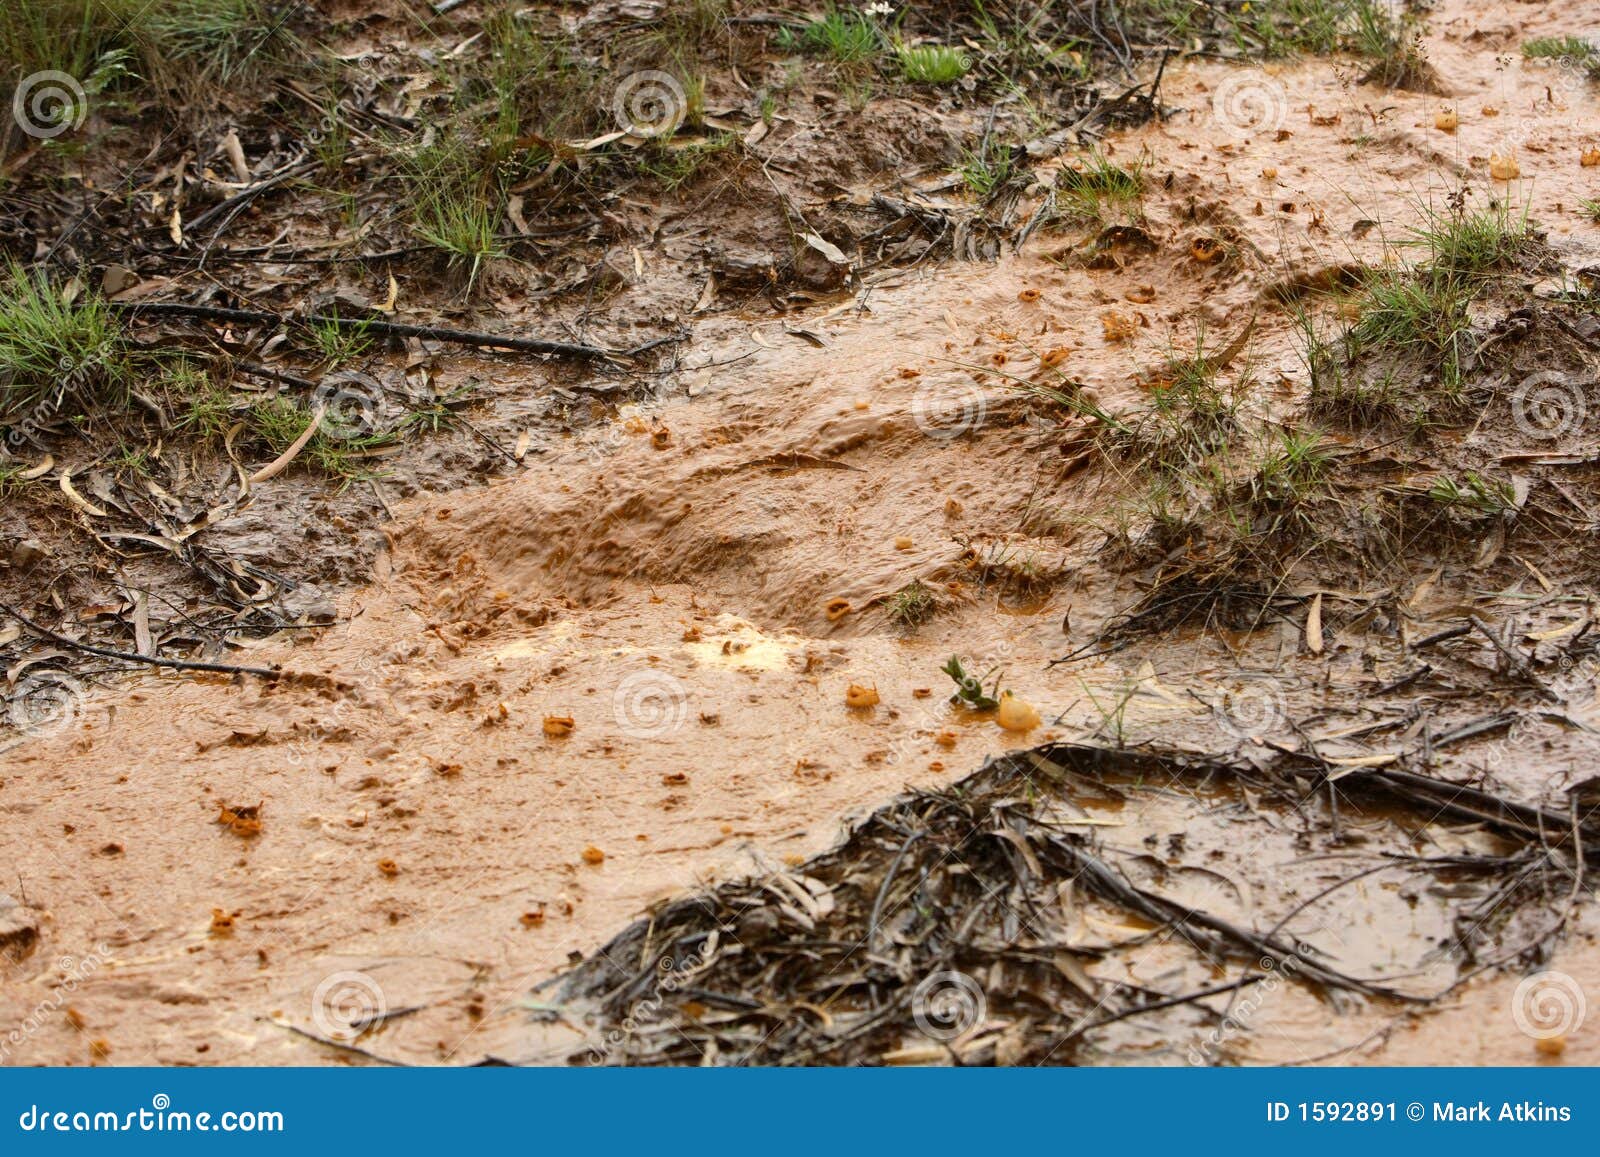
434, 840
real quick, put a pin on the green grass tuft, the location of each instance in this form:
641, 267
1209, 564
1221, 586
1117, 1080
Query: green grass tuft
55, 352
987, 168
1475, 494
1099, 189
844, 35
95, 41
911, 604
1414, 322
1468, 245
1571, 50
676, 165
1280, 28
278, 421
931, 63
339, 344
456, 202
223, 39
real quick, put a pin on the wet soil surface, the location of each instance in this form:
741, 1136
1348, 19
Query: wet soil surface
621, 668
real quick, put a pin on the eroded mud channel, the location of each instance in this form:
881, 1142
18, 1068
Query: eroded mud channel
1330, 811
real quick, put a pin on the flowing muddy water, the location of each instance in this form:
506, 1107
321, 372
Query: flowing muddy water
696, 585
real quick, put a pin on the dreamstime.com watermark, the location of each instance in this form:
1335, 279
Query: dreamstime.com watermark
672, 974
73, 377
1560, 81
160, 1117
935, 719
368, 687
74, 972
1240, 1018
350, 402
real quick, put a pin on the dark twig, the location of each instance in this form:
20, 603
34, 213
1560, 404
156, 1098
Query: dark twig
137, 310
134, 656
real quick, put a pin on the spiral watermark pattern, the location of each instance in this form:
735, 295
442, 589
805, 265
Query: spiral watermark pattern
346, 1004
1548, 1004
1249, 103
946, 412
1548, 405
47, 104
649, 104
1255, 708
44, 703
350, 402
947, 1004
650, 705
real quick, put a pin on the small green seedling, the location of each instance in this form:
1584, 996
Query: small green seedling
969, 690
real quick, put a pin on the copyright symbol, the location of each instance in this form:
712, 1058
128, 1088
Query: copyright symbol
1414, 1111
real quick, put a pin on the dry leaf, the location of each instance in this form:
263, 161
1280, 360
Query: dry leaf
827, 248
77, 499
1314, 625
40, 470
235, 152
394, 296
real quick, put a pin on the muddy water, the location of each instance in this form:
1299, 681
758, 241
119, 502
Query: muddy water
695, 587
